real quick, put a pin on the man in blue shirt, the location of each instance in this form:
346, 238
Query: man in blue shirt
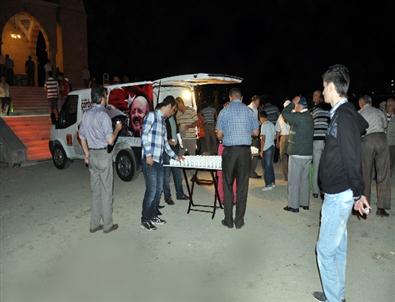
236, 123
154, 144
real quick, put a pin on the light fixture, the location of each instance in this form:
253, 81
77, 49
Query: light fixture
15, 33
15, 36
187, 95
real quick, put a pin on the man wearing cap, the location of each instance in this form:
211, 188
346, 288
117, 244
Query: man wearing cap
300, 150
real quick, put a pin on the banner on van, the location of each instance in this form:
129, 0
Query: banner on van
135, 101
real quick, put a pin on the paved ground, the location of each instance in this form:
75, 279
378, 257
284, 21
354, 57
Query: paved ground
47, 253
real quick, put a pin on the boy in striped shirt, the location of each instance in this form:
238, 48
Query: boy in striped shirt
52, 89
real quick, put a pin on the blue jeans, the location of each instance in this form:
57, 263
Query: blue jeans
177, 178
332, 243
267, 165
153, 176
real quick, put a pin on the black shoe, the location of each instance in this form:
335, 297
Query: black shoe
239, 225
305, 207
183, 197
226, 225
320, 296
113, 228
169, 201
148, 225
287, 208
94, 230
382, 213
315, 195
158, 213
160, 207
158, 221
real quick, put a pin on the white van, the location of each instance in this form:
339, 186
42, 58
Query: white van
130, 102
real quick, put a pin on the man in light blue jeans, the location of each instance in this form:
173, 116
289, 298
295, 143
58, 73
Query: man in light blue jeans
340, 174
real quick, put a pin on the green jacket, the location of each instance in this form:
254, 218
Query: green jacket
300, 140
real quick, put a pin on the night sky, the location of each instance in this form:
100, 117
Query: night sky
281, 48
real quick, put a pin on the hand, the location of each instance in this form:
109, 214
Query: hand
361, 204
86, 159
261, 154
149, 160
180, 157
172, 142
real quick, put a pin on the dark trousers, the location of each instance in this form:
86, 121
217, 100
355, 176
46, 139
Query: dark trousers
236, 162
177, 177
267, 165
30, 79
375, 153
153, 176
392, 159
284, 155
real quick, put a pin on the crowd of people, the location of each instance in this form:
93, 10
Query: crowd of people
332, 145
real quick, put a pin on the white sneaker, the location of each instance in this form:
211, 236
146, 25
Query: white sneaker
267, 188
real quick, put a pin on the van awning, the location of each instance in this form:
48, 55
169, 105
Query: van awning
198, 79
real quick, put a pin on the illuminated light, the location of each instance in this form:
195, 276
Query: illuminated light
186, 95
16, 36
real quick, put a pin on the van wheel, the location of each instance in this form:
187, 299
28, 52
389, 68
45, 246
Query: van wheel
59, 157
125, 164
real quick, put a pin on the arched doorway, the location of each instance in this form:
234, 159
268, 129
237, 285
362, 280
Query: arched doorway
21, 35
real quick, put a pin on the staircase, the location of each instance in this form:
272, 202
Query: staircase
29, 100
33, 131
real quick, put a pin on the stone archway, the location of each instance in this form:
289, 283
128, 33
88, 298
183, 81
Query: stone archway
19, 40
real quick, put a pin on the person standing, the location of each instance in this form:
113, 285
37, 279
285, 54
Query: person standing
300, 150
254, 105
209, 115
2, 65
48, 69
282, 134
236, 123
9, 70
172, 130
375, 153
268, 134
96, 133
30, 68
52, 89
187, 121
5, 99
321, 120
154, 144
86, 77
341, 180
390, 106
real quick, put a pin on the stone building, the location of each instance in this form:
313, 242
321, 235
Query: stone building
54, 30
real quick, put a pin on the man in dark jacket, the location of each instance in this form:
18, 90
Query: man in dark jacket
172, 130
300, 150
340, 175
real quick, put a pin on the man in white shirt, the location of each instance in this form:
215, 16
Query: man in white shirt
255, 102
282, 133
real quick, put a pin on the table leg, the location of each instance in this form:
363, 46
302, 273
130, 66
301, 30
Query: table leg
189, 190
